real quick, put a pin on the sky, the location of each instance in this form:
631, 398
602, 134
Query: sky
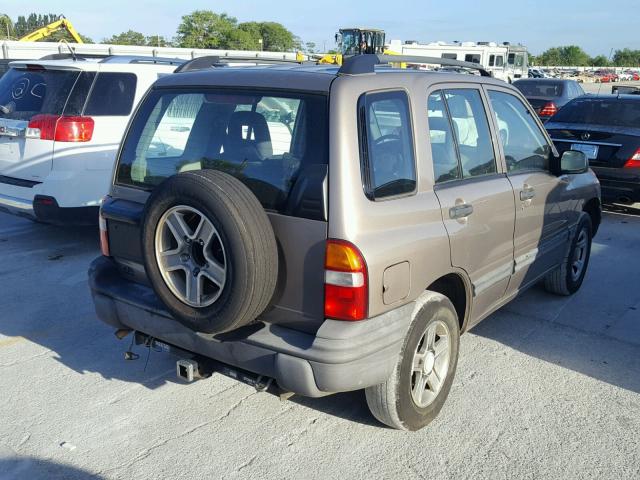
595, 25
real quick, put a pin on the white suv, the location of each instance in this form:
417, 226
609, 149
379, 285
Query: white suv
61, 122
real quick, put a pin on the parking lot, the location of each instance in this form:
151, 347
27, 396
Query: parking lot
548, 387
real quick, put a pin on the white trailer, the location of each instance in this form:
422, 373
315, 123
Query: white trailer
505, 61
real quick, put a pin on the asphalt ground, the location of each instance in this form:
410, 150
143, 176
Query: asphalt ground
547, 387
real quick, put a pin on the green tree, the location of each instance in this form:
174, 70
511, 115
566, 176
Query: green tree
570, 55
275, 37
6, 27
310, 47
158, 41
626, 58
25, 25
129, 37
600, 61
206, 29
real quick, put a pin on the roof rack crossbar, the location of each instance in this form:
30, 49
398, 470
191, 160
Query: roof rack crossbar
210, 61
361, 64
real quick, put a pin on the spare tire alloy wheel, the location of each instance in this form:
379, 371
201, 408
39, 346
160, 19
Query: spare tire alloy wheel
209, 251
190, 256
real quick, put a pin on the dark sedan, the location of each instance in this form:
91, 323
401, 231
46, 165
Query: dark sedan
607, 129
548, 95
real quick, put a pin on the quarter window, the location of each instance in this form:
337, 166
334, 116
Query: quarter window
525, 147
388, 165
112, 94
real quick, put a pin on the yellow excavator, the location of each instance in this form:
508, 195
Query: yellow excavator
352, 41
53, 27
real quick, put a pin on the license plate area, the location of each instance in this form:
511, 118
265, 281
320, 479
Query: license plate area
591, 151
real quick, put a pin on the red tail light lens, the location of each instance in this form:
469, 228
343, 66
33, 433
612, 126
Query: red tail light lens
61, 129
346, 282
634, 160
549, 110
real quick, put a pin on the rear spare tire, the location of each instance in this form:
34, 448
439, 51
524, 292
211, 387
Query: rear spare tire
209, 251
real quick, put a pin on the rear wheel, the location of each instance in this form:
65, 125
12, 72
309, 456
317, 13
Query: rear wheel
568, 277
419, 385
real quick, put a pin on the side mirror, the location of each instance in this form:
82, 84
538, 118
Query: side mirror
573, 161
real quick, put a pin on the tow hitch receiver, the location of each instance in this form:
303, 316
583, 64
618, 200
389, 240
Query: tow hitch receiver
188, 370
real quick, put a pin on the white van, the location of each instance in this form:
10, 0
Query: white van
61, 122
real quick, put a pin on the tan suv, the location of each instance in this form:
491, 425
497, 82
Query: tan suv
325, 230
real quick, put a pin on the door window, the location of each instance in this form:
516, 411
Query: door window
386, 142
461, 144
443, 143
525, 147
499, 61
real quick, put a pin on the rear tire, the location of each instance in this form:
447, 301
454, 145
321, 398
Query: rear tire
568, 277
400, 402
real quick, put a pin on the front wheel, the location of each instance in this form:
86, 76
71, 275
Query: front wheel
568, 277
419, 385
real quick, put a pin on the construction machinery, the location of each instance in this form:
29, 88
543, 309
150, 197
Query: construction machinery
352, 41
53, 27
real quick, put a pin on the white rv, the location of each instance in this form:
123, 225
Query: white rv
505, 61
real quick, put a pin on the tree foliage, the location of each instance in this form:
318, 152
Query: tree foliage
207, 29
626, 58
27, 24
571, 55
132, 37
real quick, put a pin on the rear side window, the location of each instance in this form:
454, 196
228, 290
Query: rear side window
112, 95
525, 147
25, 93
386, 142
276, 143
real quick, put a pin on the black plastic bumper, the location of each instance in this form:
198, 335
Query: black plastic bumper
341, 356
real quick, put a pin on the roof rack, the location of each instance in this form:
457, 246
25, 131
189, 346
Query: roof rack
142, 59
361, 64
210, 61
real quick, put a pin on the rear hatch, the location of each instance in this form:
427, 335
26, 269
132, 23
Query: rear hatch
275, 142
31, 94
606, 129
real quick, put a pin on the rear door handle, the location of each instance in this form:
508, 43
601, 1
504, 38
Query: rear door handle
527, 193
460, 211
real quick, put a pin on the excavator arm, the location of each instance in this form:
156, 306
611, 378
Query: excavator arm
53, 27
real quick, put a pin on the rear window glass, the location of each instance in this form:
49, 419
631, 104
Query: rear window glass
601, 111
112, 94
25, 93
276, 143
539, 89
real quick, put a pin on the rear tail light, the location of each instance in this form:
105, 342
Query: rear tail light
104, 235
345, 282
61, 128
634, 160
549, 110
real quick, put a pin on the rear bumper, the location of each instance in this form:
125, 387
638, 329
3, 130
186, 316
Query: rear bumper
620, 190
341, 356
16, 205
47, 210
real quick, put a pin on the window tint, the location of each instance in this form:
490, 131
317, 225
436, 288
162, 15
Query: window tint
525, 147
387, 144
78, 97
112, 94
472, 133
614, 111
276, 144
540, 88
25, 93
443, 149
473, 58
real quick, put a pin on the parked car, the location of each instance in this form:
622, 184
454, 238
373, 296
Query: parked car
547, 96
61, 121
607, 129
317, 228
